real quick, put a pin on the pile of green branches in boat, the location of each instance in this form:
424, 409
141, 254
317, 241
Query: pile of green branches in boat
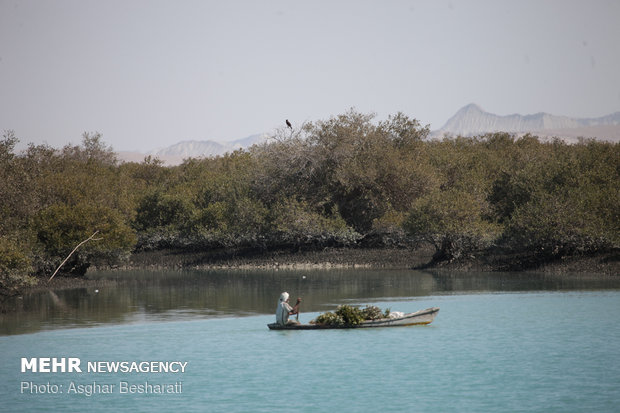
350, 315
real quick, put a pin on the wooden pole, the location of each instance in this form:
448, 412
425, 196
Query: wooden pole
92, 237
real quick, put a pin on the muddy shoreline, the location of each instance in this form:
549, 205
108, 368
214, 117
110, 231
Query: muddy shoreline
607, 264
393, 258
386, 258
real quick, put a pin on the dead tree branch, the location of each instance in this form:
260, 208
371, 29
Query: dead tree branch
92, 237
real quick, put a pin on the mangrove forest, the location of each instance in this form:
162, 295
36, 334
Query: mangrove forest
348, 181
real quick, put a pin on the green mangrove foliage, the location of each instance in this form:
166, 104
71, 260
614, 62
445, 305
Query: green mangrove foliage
347, 315
345, 181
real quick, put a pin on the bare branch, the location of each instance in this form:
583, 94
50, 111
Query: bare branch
92, 237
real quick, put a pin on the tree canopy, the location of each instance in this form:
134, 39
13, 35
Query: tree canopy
348, 180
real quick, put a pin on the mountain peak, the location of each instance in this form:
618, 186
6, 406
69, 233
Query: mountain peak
174, 154
472, 120
471, 108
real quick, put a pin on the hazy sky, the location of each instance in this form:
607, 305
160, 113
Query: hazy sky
148, 74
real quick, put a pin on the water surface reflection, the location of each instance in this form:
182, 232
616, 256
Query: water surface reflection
137, 296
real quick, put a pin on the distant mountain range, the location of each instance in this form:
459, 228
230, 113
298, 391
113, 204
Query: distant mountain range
470, 120
208, 148
175, 154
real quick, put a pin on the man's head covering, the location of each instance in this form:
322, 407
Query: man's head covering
284, 296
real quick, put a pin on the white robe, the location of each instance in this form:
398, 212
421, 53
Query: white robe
282, 312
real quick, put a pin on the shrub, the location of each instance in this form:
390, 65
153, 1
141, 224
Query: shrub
453, 222
14, 268
158, 209
59, 228
295, 223
554, 226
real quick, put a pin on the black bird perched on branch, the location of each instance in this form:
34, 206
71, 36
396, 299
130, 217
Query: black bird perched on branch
289, 124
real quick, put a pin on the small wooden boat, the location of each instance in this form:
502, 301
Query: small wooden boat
419, 317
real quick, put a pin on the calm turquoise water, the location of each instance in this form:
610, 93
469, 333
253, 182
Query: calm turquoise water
487, 351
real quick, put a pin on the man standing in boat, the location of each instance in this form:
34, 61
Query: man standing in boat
285, 310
